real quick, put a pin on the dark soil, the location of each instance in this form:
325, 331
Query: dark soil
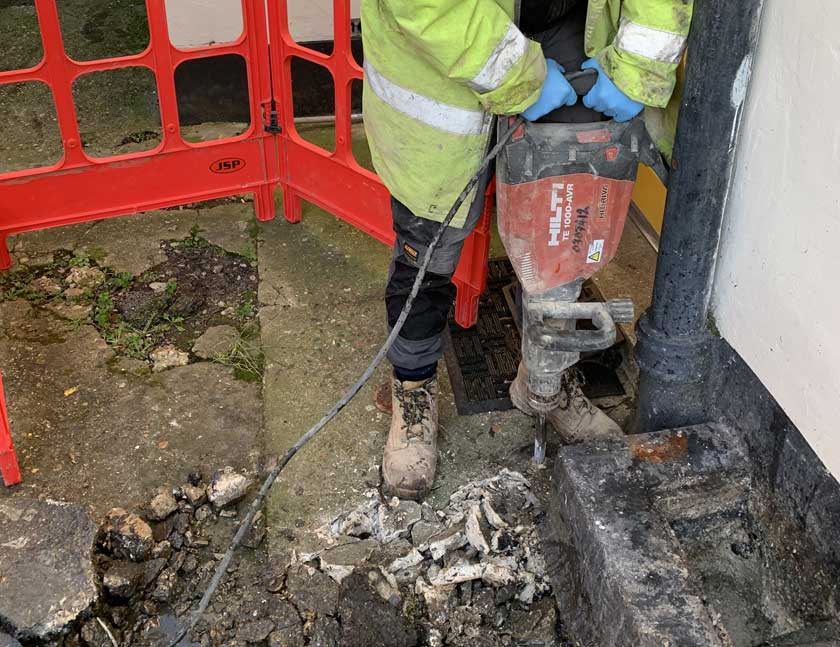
200, 285
205, 286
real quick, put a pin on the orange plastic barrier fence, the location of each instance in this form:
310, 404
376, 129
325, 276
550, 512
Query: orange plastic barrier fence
268, 155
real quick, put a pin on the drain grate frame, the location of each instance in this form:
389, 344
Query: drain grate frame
482, 360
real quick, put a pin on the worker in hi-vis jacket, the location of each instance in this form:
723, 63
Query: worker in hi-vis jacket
436, 72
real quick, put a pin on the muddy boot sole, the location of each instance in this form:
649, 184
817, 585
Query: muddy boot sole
403, 492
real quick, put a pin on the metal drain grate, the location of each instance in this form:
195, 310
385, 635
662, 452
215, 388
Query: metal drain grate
482, 360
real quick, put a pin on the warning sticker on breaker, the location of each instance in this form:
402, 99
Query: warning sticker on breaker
596, 249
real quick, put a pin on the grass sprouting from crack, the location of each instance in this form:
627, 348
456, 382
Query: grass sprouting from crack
245, 356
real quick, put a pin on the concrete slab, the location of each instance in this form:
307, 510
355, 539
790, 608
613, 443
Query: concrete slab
318, 261
655, 535
93, 429
132, 243
7, 641
46, 571
312, 355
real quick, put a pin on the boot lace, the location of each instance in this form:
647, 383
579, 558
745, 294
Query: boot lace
572, 383
415, 405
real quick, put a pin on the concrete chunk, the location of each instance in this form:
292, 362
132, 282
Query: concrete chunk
475, 535
462, 572
167, 356
162, 505
227, 487
215, 341
450, 539
126, 535
46, 574
413, 558
396, 521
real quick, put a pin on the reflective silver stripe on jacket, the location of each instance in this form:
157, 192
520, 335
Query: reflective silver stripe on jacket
504, 56
450, 119
655, 44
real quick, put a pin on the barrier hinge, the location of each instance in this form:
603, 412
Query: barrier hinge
273, 125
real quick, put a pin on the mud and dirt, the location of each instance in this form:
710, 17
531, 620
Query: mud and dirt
153, 564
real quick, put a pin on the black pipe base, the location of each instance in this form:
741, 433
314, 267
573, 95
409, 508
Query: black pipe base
672, 381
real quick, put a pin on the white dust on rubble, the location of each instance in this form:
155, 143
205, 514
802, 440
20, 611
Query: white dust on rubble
486, 532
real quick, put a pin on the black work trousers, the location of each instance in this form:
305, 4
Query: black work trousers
420, 341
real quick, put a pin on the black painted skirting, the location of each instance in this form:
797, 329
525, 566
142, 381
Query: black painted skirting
779, 453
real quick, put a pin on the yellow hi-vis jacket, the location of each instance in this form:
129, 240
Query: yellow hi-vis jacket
437, 70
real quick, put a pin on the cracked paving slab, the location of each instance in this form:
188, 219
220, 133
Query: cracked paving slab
123, 432
46, 574
119, 434
132, 243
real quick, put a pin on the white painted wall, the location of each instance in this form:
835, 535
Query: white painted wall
777, 288
193, 23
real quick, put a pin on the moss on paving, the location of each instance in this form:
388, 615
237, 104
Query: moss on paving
118, 109
169, 317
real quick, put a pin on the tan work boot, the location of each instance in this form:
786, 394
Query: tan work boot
576, 419
408, 467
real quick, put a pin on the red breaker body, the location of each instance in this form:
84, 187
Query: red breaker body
563, 194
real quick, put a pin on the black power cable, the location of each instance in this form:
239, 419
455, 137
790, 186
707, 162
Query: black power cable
222, 567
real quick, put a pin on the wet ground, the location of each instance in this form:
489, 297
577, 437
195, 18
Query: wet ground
95, 423
115, 388
113, 393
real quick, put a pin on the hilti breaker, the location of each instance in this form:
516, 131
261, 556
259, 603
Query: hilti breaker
563, 193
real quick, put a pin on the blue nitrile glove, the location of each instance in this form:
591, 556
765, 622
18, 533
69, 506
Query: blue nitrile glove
556, 91
606, 98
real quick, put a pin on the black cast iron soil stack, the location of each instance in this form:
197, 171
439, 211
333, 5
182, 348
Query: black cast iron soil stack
673, 349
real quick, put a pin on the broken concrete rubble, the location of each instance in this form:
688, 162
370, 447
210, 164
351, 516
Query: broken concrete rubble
123, 579
413, 558
385, 584
45, 285
396, 519
126, 535
194, 495
423, 531
348, 591
215, 341
482, 547
167, 356
340, 561
227, 487
448, 540
462, 572
85, 277
474, 532
162, 505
